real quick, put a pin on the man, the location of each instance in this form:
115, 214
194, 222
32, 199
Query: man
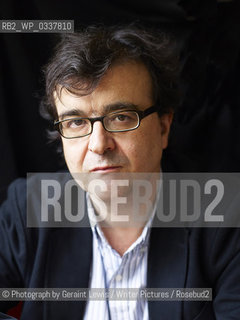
111, 93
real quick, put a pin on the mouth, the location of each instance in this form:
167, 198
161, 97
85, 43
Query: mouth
106, 169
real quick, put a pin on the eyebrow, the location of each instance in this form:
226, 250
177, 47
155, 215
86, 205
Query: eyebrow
106, 109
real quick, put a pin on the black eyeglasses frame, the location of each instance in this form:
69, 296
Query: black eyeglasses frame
141, 115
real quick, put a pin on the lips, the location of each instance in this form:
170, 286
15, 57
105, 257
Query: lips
106, 169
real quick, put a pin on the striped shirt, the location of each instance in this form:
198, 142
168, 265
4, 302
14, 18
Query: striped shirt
128, 271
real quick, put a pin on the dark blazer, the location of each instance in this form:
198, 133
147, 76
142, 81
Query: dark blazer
61, 257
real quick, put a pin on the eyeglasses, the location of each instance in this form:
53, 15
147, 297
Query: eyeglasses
119, 121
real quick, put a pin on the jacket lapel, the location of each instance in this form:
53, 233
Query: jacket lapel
167, 268
68, 266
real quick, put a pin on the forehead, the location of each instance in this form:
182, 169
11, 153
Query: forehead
128, 83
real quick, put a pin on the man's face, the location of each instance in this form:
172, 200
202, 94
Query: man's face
103, 152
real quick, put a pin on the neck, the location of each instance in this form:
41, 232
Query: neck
131, 209
122, 217
121, 239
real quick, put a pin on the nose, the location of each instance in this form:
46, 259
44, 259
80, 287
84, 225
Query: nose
100, 140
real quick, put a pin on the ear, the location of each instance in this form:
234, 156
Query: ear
165, 122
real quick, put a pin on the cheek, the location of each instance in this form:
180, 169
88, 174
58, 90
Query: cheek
74, 154
131, 151
146, 150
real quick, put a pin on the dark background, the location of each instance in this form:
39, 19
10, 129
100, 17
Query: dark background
206, 127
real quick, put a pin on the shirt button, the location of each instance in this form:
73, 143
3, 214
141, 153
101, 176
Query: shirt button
118, 277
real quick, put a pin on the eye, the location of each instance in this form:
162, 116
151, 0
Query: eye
75, 123
123, 116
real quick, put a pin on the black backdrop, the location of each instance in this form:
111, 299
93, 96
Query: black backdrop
206, 127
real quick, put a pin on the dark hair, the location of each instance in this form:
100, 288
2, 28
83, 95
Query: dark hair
81, 59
